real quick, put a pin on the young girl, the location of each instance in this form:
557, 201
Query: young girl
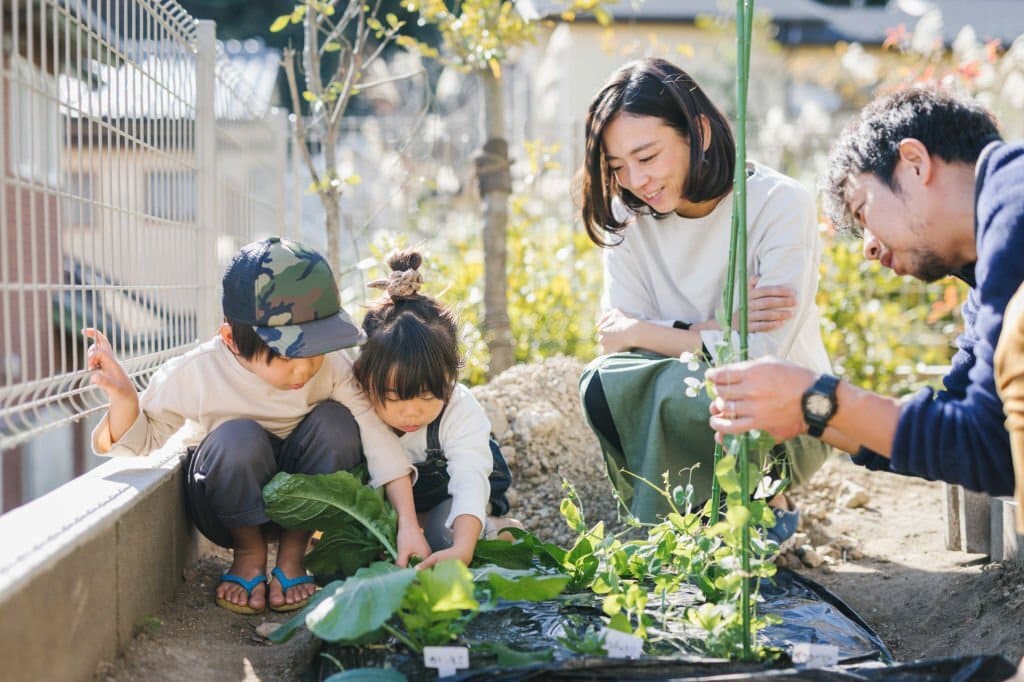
408, 369
657, 192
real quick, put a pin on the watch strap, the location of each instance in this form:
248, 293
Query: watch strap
825, 384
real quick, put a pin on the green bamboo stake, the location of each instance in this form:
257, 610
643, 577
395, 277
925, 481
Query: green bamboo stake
744, 21
740, 175
727, 300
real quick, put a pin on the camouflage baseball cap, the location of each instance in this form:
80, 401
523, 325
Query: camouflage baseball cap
287, 292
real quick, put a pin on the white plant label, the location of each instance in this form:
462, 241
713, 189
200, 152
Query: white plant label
447, 659
806, 655
622, 644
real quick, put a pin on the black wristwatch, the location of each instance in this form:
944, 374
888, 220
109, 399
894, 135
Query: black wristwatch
819, 404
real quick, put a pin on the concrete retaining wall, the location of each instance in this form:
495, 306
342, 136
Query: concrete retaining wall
83, 566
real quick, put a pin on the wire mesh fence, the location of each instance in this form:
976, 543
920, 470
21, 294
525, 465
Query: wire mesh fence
138, 154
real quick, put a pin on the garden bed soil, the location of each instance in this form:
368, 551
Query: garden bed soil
876, 540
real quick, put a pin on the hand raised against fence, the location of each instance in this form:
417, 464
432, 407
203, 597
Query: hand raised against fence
107, 373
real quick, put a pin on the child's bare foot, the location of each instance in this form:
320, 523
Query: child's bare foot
291, 587
496, 525
243, 588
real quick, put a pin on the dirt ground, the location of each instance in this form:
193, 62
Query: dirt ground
886, 558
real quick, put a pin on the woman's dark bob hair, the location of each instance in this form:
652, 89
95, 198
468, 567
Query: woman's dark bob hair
412, 344
653, 87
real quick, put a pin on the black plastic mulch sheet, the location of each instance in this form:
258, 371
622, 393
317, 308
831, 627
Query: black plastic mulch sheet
809, 612
965, 669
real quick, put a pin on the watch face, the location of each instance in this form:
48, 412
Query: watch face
818, 404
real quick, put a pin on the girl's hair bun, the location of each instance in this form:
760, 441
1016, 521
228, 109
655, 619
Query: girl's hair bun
404, 281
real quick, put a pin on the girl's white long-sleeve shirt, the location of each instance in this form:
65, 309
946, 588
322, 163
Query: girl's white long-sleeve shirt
674, 268
207, 386
464, 437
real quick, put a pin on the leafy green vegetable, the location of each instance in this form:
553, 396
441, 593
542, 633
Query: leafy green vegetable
344, 550
437, 606
518, 554
361, 604
582, 638
520, 585
356, 520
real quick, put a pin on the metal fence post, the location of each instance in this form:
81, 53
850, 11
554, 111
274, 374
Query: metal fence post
206, 177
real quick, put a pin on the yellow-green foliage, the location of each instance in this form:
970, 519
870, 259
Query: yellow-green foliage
480, 33
554, 286
882, 332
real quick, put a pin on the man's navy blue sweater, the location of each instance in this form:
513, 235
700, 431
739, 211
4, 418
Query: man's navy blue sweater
958, 434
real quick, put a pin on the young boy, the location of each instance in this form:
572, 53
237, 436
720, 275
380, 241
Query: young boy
271, 392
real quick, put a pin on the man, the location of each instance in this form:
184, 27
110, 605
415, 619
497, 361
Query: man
932, 189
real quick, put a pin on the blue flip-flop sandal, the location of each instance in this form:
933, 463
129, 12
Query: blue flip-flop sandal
286, 584
249, 586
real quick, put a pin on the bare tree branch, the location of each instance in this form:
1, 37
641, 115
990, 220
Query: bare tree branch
288, 63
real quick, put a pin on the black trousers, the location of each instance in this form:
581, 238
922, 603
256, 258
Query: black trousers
227, 471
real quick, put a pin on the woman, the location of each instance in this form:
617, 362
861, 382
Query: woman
657, 193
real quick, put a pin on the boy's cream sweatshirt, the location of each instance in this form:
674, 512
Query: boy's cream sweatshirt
208, 386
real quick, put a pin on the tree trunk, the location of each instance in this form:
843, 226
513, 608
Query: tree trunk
331, 199
494, 179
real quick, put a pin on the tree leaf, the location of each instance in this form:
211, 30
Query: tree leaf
280, 23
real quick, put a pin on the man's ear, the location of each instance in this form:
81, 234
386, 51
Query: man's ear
915, 155
227, 337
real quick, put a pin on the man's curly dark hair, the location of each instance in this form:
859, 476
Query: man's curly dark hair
952, 129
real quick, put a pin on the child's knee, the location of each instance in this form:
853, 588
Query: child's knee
238, 442
337, 429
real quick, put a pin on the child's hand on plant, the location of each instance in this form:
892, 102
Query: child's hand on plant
463, 554
465, 531
411, 542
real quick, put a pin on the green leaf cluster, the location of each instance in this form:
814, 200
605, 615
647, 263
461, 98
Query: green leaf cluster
357, 522
419, 608
637, 576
